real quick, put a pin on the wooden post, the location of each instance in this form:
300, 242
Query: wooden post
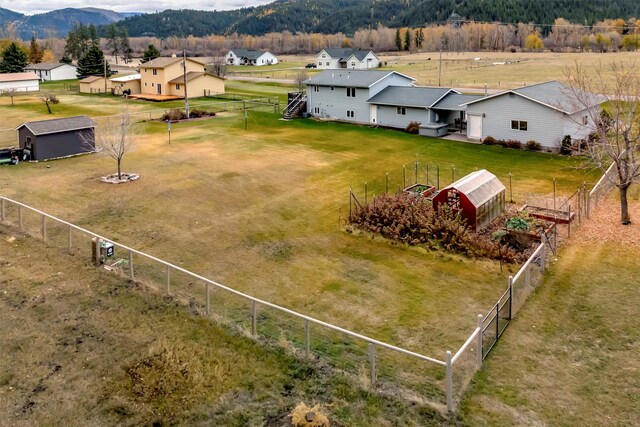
554, 193
453, 174
131, 276
372, 362
208, 298
449, 382
70, 239
569, 223
44, 228
168, 279
416, 164
386, 188
254, 318
307, 338
479, 344
2, 211
510, 297
19, 217
365, 193
404, 177
510, 188
438, 177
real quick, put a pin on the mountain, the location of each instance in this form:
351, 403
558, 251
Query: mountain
57, 23
347, 16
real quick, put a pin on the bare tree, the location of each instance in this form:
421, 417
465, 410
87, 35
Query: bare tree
49, 99
115, 138
10, 92
300, 78
616, 130
218, 67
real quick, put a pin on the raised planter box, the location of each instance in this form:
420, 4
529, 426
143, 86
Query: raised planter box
553, 215
422, 190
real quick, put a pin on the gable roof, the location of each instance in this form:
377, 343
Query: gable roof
552, 94
126, 78
67, 124
46, 66
408, 96
91, 79
351, 78
249, 54
17, 77
192, 75
164, 61
478, 186
344, 53
455, 101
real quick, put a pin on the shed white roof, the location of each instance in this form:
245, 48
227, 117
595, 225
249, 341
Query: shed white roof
479, 186
127, 78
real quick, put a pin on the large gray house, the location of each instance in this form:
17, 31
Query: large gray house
544, 113
344, 94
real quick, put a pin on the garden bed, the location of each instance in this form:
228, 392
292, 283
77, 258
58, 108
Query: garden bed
422, 190
554, 215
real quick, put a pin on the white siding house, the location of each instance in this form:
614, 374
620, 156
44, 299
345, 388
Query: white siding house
333, 59
544, 113
344, 94
250, 57
49, 71
21, 82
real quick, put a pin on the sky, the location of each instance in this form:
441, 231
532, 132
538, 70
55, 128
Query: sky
29, 7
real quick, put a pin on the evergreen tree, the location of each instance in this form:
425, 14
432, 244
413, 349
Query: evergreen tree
407, 39
113, 40
35, 53
398, 40
125, 47
419, 38
93, 35
14, 59
65, 59
150, 53
92, 63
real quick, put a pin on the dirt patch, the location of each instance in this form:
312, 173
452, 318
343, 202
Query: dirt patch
604, 224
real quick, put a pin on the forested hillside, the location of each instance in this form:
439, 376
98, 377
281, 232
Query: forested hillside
347, 16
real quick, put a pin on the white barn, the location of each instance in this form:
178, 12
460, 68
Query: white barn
49, 71
21, 82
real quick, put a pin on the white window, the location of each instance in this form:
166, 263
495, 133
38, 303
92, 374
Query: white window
351, 92
324, 56
401, 111
177, 87
519, 125
350, 113
353, 64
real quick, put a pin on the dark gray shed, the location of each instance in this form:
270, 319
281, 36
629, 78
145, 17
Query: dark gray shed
50, 139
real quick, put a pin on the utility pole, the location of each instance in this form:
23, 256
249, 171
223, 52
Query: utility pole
440, 68
184, 74
104, 63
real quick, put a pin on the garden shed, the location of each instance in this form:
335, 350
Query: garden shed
479, 198
50, 139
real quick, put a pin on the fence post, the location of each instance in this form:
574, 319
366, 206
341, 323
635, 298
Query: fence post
416, 163
479, 343
404, 177
2, 211
131, 265
588, 203
208, 298
554, 193
70, 239
44, 228
527, 275
365, 192
350, 208
19, 217
449, 382
510, 297
543, 253
372, 361
510, 188
438, 177
307, 338
254, 318
569, 223
386, 186
168, 276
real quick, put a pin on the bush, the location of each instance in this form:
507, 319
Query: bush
513, 143
533, 146
413, 127
176, 114
489, 141
565, 148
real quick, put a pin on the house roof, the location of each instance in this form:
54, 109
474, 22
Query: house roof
423, 97
249, 54
351, 78
344, 53
46, 66
455, 101
553, 94
45, 127
17, 77
126, 78
478, 186
91, 79
165, 61
192, 75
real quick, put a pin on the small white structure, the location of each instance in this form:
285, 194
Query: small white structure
21, 82
49, 71
250, 57
333, 59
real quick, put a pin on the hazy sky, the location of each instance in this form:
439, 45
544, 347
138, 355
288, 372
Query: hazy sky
30, 7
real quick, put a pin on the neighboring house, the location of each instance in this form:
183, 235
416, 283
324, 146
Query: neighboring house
129, 82
544, 113
49, 71
343, 94
336, 58
250, 57
50, 139
199, 84
21, 82
164, 76
94, 84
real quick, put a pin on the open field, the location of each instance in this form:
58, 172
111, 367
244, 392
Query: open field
570, 357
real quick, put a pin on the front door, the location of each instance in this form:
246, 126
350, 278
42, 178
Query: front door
374, 114
474, 128
159, 89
